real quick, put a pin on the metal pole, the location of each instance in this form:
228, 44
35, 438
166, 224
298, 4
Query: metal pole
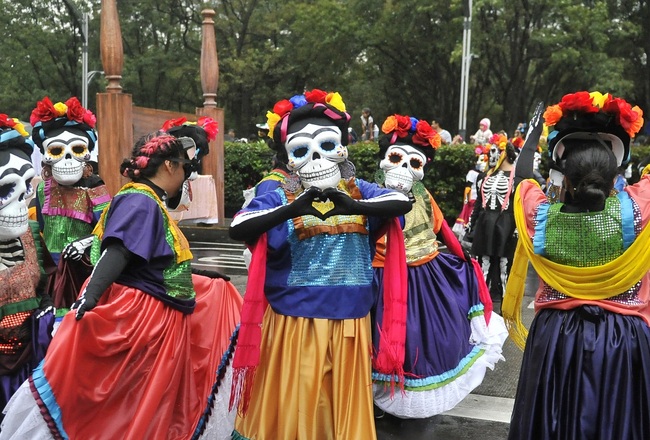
84, 63
462, 82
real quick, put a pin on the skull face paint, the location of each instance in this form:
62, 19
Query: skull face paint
495, 153
403, 165
315, 152
15, 185
67, 154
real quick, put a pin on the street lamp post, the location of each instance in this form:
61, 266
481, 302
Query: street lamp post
82, 21
464, 69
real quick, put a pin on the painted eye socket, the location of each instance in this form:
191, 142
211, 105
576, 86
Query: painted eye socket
394, 157
79, 150
328, 145
55, 151
300, 152
6, 191
29, 189
415, 163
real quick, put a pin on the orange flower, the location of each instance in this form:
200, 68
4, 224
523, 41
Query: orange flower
552, 114
389, 125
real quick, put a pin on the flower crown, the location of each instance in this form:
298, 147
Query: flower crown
500, 140
71, 109
627, 117
283, 108
12, 124
401, 126
210, 126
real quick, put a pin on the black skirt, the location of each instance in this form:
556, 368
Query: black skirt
585, 375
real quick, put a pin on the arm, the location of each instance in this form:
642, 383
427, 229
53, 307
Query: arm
109, 266
248, 225
524, 166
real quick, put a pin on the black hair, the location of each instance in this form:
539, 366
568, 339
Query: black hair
197, 133
149, 152
591, 168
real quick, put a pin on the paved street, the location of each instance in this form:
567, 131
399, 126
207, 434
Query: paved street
484, 414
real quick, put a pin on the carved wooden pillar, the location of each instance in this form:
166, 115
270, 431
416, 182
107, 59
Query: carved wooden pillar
213, 163
114, 108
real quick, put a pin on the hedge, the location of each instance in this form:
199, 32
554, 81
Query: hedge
246, 164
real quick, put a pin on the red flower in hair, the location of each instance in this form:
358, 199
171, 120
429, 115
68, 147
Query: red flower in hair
426, 135
43, 112
6, 121
75, 111
578, 102
627, 117
210, 126
282, 107
173, 123
403, 125
89, 118
316, 95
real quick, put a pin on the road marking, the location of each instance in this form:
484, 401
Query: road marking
477, 406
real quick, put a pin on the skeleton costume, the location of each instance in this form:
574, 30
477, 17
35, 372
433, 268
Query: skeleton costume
492, 224
452, 336
26, 315
302, 367
70, 198
586, 368
145, 351
471, 191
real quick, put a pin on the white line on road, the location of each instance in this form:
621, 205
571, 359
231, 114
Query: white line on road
477, 406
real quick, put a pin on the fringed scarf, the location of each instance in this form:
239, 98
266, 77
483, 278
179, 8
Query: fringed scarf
390, 358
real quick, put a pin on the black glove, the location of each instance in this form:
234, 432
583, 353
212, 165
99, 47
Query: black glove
249, 225
386, 205
110, 265
76, 249
210, 274
46, 306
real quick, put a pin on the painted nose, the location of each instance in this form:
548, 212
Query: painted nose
315, 156
405, 165
68, 156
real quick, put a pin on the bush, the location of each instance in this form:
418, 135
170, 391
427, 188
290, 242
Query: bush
247, 164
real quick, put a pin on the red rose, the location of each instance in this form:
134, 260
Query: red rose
75, 110
316, 95
43, 112
210, 126
282, 107
89, 119
426, 135
6, 121
578, 102
173, 123
403, 125
626, 117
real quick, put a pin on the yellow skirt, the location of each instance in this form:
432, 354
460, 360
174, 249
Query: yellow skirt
313, 381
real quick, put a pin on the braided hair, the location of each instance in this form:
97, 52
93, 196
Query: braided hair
149, 152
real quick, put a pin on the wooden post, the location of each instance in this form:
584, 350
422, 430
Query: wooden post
114, 108
213, 163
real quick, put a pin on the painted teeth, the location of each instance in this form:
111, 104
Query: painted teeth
318, 175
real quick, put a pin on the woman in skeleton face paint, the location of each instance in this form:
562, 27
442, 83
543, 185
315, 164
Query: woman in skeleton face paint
447, 324
146, 344
27, 315
302, 368
492, 223
70, 198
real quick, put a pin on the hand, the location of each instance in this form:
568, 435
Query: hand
75, 250
302, 205
343, 203
83, 304
46, 306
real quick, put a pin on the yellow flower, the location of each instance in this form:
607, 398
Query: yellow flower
335, 100
61, 109
598, 98
20, 128
272, 119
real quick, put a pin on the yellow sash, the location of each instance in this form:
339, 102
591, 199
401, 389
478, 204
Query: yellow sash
587, 283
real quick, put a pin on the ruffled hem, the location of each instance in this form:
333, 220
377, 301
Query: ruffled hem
414, 404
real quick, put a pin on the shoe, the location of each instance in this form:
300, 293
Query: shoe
378, 412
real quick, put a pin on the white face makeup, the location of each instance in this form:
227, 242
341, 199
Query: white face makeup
494, 156
403, 165
15, 186
314, 152
67, 153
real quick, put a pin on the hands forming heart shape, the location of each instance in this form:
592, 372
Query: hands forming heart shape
324, 203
